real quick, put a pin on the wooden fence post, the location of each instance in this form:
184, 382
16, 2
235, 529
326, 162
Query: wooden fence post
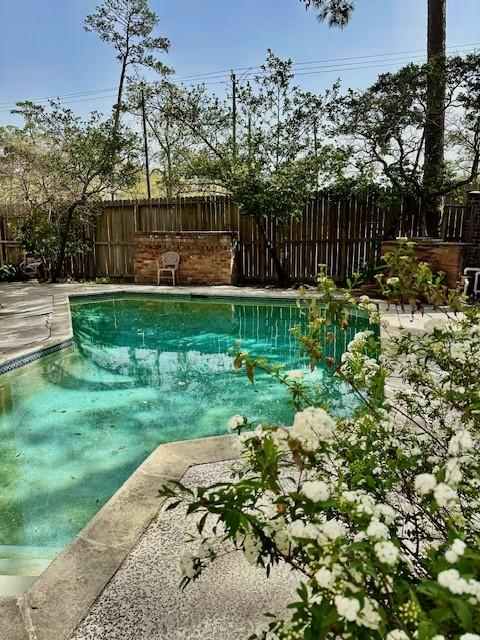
342, 244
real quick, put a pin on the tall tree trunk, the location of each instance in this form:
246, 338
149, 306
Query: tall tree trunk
57, 270
281, 273
168, 151
118, 106
435, 116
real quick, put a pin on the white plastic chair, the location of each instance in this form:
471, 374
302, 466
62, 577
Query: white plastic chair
168, 265
468, 273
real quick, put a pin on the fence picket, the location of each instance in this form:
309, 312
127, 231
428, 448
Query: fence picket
343, 233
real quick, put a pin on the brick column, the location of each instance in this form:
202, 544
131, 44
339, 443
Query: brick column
448, 257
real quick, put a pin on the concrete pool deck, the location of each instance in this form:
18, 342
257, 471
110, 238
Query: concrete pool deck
143, 600
118, 561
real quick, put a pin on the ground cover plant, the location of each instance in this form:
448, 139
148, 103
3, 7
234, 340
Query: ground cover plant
378, 514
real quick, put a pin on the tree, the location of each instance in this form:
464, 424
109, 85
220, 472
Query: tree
60, 166
170, 140
128, 26
264, 148
435, 110
338, 13
386, 126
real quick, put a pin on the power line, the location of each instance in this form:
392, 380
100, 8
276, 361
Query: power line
212, 79
345, 66
66, 95
373, 55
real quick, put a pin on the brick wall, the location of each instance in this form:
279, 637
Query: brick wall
448, 257
206, 257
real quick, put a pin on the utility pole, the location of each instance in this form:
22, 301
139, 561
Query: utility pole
315, 146
145, 142
233, 78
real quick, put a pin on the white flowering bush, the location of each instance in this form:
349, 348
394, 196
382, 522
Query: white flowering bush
378, 514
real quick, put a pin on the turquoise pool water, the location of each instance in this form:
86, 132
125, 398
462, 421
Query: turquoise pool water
142, 371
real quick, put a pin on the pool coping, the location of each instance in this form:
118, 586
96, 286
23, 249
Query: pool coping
54, 605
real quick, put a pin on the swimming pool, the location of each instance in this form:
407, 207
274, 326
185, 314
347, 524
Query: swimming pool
142, 371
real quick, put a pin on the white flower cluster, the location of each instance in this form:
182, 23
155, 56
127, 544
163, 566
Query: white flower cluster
359, 341
453, 581
357, 365
311, 427
387, 552
365, 304
323, 533
316, 490
397, 634
444, 494
236, 422
461, 442
350, 609
364, 503
455, 551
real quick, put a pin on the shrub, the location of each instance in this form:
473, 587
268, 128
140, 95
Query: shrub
378, 513
10, 272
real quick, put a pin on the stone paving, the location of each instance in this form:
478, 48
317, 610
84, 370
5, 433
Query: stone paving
143, 600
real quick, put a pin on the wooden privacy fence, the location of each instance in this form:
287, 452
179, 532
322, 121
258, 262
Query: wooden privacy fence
342, 234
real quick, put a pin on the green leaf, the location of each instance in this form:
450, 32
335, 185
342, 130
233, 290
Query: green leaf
426, 630
201, 522
173, 505
463, 613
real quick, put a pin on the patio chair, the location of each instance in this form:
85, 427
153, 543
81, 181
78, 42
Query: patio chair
168, 266
30, 267
471, 275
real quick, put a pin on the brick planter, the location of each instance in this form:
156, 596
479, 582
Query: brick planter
206, 257
448, 257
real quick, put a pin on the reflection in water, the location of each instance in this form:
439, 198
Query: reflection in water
75, 424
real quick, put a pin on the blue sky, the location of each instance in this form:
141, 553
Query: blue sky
45, 52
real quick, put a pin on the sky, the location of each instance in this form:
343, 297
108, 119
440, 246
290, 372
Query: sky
45, 52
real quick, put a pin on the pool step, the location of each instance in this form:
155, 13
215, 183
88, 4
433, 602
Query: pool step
23, 566
15, 585
16, 560
28, 551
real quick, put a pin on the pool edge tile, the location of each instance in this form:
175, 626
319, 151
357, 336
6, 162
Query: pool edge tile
21, 360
